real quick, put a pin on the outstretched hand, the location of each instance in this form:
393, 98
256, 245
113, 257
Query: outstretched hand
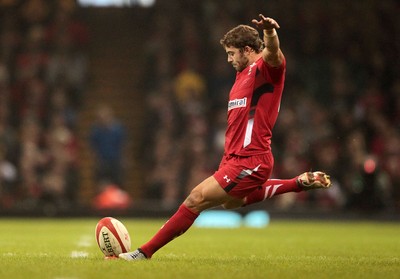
265, 23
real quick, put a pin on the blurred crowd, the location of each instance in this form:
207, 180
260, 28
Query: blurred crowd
340, 112
43, 74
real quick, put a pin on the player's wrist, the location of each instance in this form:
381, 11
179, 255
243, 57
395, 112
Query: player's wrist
270, 33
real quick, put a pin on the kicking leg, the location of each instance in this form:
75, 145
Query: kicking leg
274, 187
270, 188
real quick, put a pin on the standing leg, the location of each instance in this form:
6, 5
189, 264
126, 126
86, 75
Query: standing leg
206, 195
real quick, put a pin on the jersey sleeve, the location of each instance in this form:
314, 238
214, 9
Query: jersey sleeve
274, 74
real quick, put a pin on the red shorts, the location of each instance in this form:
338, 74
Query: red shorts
239, 176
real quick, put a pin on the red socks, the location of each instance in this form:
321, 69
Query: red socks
273, 187
179, 223
183, 218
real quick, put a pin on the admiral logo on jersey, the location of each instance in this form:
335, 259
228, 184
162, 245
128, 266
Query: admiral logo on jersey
237, 103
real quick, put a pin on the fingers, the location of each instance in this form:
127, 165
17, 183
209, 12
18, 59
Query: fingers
266, 22
270, 21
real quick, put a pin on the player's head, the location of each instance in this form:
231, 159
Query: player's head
240, 41
242, 36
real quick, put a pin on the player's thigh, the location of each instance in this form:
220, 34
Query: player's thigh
206, 195
239, 176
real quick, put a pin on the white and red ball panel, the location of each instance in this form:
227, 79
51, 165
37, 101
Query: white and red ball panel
112, 237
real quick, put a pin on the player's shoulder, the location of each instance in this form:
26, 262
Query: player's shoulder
275, 69
279, 63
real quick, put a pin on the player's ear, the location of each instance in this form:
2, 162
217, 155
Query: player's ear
247, 49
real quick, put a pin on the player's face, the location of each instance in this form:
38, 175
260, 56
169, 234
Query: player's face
237, 58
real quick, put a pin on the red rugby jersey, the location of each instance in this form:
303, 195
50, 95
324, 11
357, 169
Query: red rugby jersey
253, 108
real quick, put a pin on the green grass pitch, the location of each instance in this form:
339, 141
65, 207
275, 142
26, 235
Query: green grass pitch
66, 249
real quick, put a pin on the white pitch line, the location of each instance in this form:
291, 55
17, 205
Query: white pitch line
83, 242
79, 254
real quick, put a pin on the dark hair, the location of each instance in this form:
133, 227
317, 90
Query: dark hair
241, 36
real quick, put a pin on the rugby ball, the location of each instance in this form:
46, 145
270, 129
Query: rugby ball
112, 237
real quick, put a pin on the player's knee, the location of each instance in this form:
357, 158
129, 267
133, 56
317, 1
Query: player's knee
194, 200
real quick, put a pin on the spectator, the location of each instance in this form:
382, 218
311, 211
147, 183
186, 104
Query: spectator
108, 142
8, 179
60, 180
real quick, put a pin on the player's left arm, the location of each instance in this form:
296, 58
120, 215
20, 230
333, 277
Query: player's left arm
272, 54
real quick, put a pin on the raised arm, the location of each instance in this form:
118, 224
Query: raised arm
272, 53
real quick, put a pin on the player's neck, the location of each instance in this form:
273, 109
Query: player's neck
254, 57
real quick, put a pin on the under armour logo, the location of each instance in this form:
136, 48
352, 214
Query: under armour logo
226, 179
